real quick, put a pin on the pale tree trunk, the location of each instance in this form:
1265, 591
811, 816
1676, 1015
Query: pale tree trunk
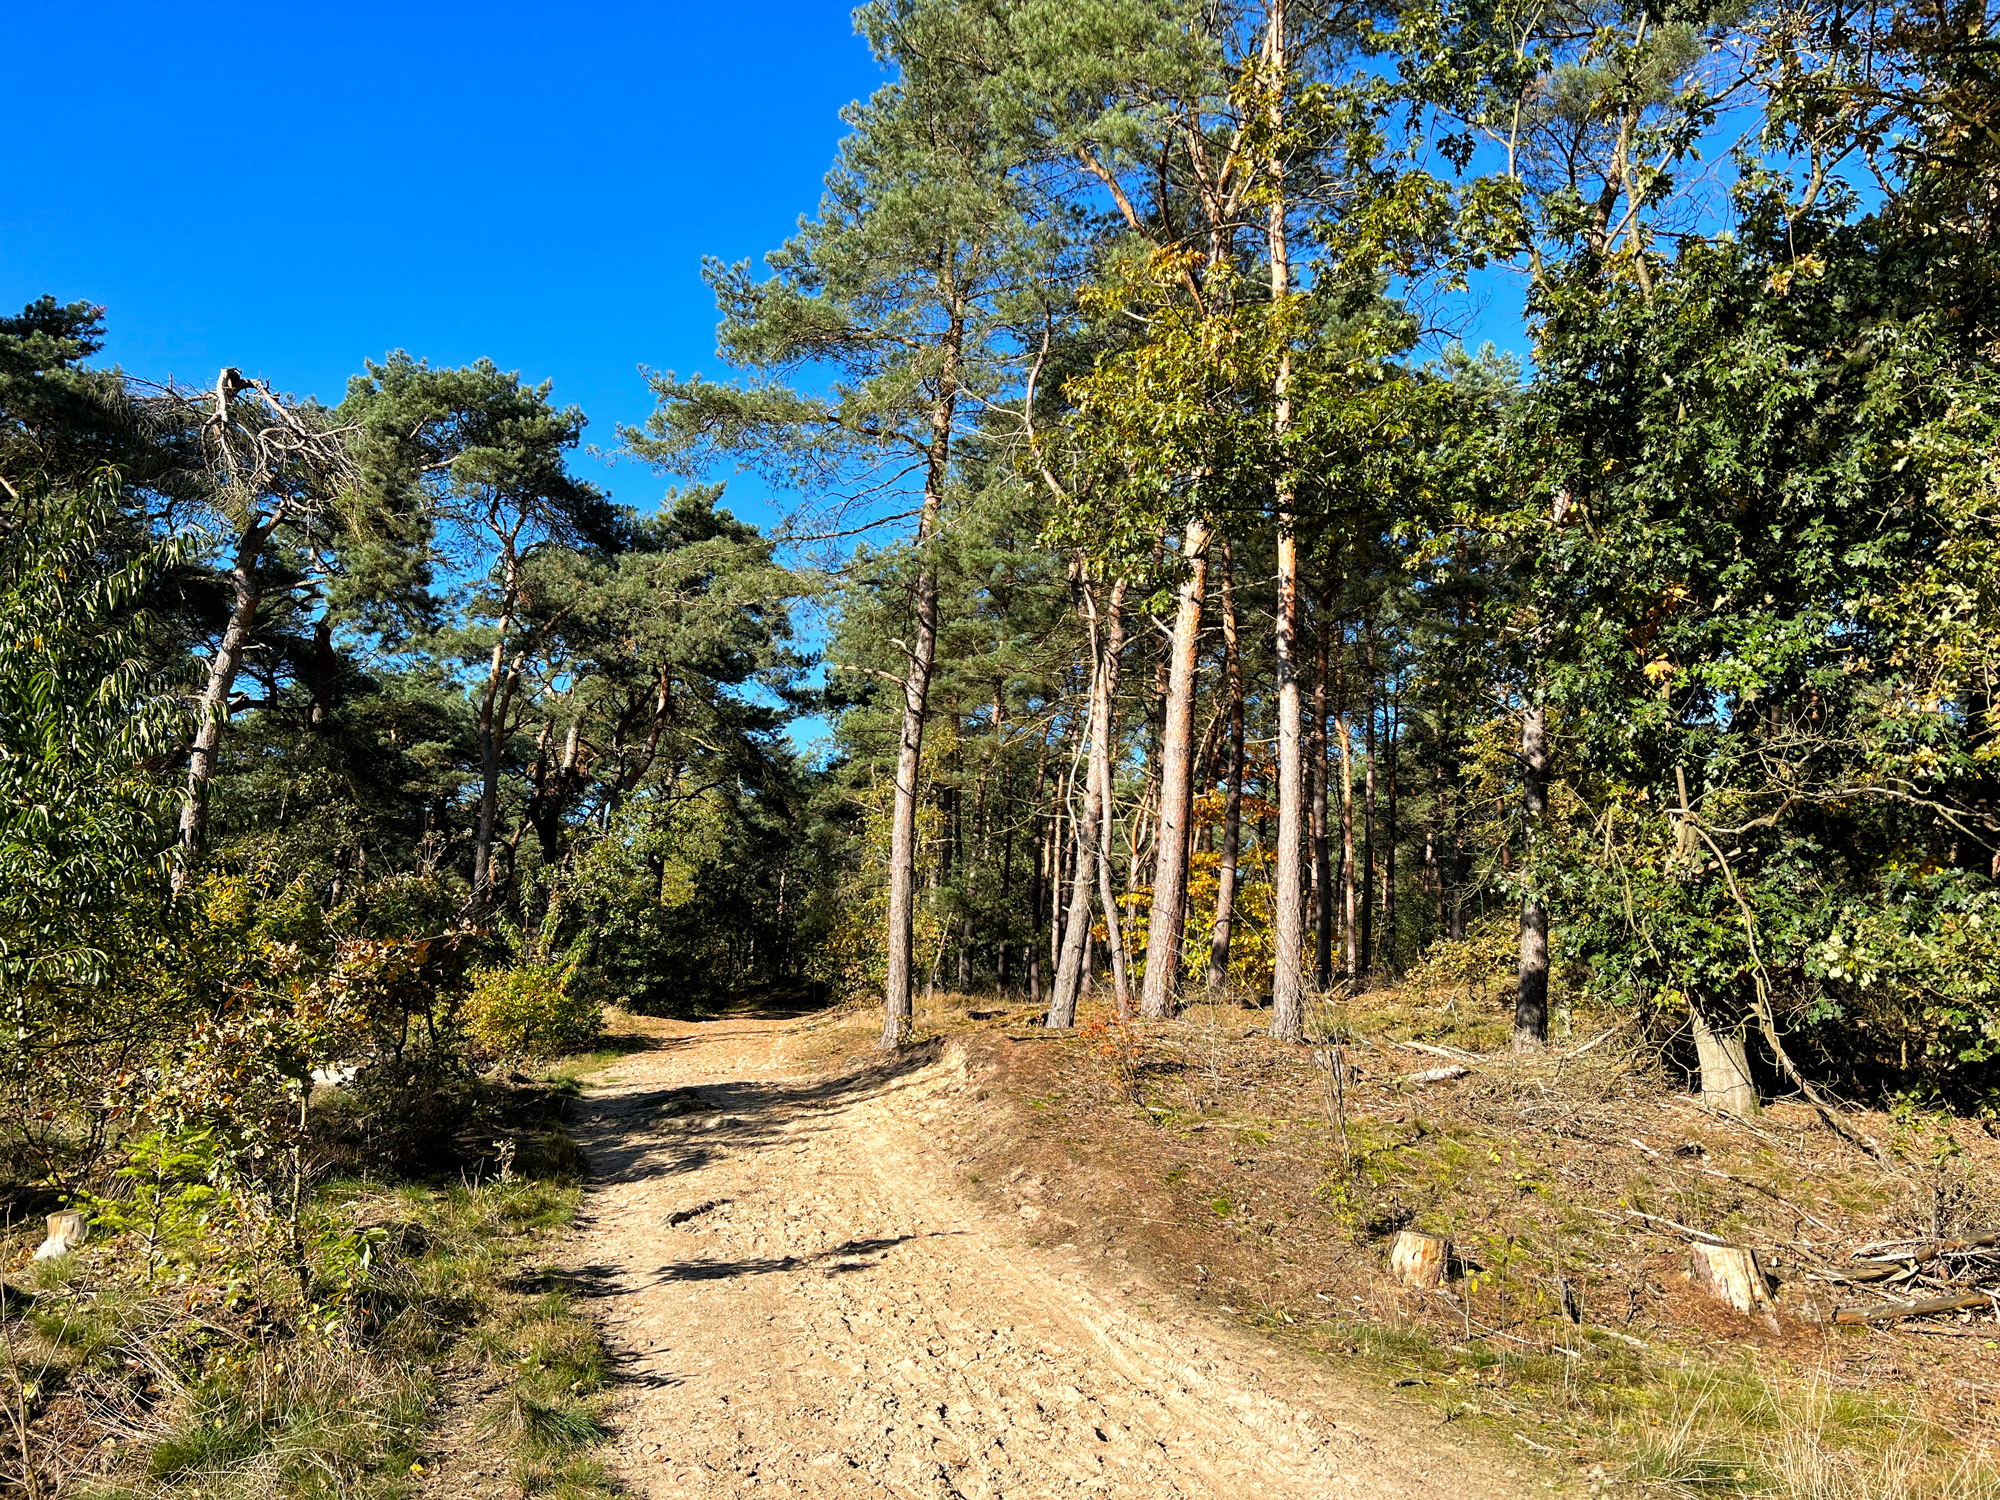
1288, 1011
1531, 999
897, 997
1065, 789
212, 709
1170, 850
1725, 1066
494, 702
1114, 647
1232, 797
1368, 814
1322, 869
1390, 943
1075, 956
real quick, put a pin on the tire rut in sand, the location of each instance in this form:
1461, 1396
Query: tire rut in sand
798, 1304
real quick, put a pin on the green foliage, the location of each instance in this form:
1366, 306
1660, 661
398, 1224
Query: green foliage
532, 1010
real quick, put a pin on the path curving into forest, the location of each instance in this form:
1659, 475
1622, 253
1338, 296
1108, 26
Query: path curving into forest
800, 1302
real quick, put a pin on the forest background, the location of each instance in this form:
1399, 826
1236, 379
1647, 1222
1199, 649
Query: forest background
1190, 611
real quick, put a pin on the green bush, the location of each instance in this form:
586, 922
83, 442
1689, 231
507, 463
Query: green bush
533, 1010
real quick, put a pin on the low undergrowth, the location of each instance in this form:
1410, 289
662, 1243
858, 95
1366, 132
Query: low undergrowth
182, 1355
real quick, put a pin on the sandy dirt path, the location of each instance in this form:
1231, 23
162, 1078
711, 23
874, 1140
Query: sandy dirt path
800, 1302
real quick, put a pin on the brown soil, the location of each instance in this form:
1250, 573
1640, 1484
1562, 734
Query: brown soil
810, 1287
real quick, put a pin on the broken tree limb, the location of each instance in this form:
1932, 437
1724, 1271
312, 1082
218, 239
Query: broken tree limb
1890, 1312
1436, 1075
1922, 1253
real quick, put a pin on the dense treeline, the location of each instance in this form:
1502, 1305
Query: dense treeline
1243, 633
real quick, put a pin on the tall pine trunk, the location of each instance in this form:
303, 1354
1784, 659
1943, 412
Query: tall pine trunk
1232, 797
1392, 956
1074, 959
1170, 847
897, 995
1288, 1011
1350, 919
1322, 867
1368, 706
1114, 648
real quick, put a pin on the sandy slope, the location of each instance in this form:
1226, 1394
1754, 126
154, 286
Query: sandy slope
841, 1321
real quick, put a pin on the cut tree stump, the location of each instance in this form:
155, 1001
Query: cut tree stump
67, 1230
1730, 1273
1418, 1260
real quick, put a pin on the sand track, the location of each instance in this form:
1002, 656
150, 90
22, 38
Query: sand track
801, 1301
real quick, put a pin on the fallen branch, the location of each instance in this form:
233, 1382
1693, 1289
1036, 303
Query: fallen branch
1884, 1250
1435, 1075
1890, 1312
1694, 1234
1594, 1042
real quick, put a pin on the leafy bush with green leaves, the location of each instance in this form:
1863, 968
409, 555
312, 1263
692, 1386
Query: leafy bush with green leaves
533, 1010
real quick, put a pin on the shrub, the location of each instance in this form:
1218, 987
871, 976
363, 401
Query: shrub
533, 1010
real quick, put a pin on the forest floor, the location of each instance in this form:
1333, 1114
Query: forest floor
805, 1293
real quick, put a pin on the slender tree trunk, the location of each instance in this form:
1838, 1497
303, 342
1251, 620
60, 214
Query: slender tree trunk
1288, 1012
1035, 919
1114, 648
1350, 918
490, 728
1322, 870
1368, 705
1074, 960
1531, 1000
1176, 784
1392, 957
897, 996
1065, 789
1232, 797
246, 596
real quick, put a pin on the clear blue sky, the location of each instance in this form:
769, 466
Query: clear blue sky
295, 190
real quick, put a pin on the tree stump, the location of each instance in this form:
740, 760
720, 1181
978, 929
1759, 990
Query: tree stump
1725, 1069
1730, 1273
1418, 1260
66, 1230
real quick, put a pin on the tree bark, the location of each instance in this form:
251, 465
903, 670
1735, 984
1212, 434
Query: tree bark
212, 709
1317, 771
1288, 1013
897, 996
1350, 920
1725, 1067
1368, 705
1232, 796
1531, 1000
494, 701
1170, 850
1075, 957
1391, 946
1114, 648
